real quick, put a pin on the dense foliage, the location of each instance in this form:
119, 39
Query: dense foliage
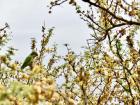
108, 72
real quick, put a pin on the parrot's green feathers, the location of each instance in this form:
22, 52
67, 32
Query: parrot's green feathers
28, 61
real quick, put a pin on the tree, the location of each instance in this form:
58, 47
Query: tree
112, 55
106, 73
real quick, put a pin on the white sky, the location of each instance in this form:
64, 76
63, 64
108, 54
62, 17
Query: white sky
26, 17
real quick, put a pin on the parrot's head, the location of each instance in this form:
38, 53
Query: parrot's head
34, 54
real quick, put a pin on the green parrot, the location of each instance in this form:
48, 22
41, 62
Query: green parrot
29, 60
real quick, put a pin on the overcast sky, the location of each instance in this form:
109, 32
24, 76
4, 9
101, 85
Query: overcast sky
26, 17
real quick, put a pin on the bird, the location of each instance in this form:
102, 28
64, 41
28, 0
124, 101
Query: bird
29, 60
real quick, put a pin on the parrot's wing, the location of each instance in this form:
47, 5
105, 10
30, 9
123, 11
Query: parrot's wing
27, 62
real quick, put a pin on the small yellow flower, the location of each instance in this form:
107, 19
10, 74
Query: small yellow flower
99, 70
49, 103
25, 76
43, 79
132, 13
49, 93
71, 101
14, 66
37, 89
1, 87
32, 98
132, 81
50, 80
3, 59
12, 98
70, 94
49, 50
55, 97
37, 69
38, 83
63, 94
60, 103
95, 56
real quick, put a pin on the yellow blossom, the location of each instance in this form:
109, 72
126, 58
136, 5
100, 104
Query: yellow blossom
37, 69
14, 66
49, 93
49, 80
1, 87
37, 89
71, 101
55, 97
25, 76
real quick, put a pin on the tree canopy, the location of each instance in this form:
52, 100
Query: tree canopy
107, 72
